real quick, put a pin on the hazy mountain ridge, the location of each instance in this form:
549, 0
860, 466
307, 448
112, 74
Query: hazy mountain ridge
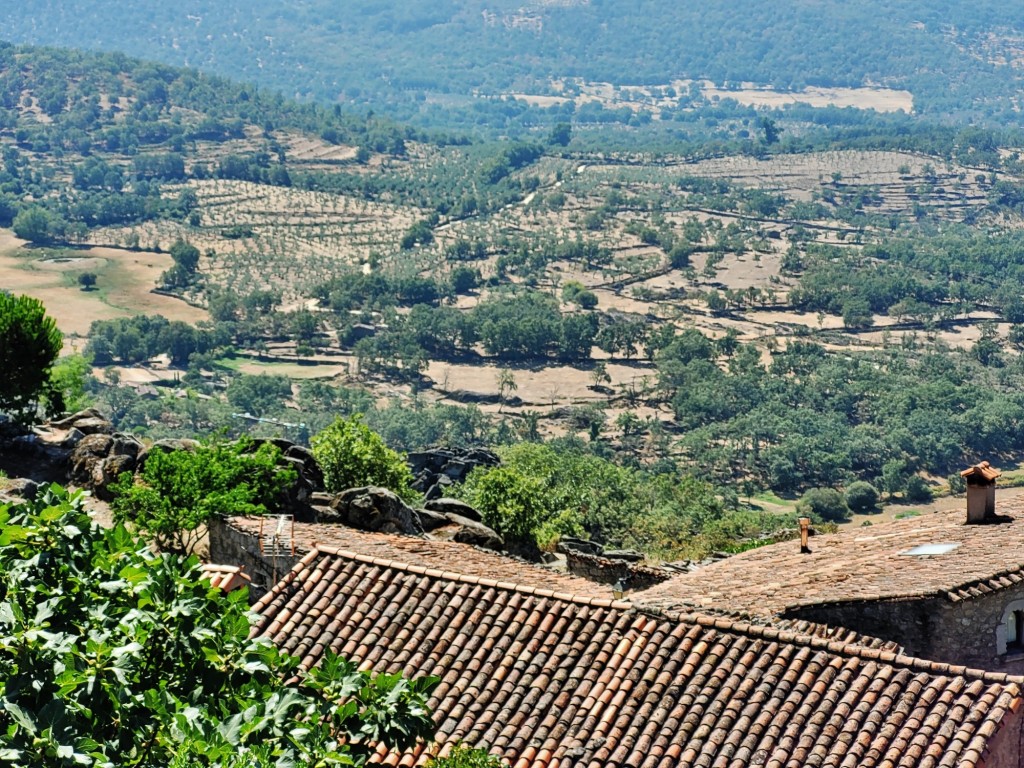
957, 58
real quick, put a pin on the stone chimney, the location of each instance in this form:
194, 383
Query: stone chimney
981, 492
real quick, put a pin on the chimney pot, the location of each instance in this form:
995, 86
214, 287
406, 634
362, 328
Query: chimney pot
981, 492
805, 532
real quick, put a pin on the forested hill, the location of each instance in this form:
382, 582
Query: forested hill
957, 57
71, 100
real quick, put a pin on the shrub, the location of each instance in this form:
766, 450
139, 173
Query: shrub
861, 496
823, 504
351, 455
917, 489
509, 502
177, 492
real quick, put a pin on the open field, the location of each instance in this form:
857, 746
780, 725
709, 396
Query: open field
657, 97
123, 288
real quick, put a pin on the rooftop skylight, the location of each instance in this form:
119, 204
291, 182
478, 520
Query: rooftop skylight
925, 550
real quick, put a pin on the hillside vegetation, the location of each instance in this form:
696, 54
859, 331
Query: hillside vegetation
775, 303
426, 59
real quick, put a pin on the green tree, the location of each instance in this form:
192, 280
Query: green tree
66, 390
861, 496
113, 655
894, 476
29, 345
351, 455
259, 395
509, 502
823, 504
87, 280
918, 490
506, 385
560, 135
178, 492
34, 224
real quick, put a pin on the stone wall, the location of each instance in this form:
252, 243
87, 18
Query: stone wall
232, 546
934, 628
605, 570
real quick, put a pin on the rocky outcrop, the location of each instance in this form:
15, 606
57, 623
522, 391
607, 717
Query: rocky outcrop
50, 452
378, 509
98, 459
440, 468
372, 508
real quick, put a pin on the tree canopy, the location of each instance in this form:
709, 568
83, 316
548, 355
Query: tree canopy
29, 345
351, 455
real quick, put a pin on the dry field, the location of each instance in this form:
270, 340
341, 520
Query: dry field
123, 287
657, 97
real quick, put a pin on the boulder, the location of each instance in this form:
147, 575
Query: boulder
166, 446
72, 421
477, 534
93, 426
449, 506
438, 489
106, 472
126, 445
431, 521
436, 468
372, 509
89, 452
571, 543
20, 487
72, 438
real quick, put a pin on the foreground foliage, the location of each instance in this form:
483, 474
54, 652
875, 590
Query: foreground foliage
177, 492
114, 656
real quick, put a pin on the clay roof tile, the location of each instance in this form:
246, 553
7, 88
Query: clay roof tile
547, 678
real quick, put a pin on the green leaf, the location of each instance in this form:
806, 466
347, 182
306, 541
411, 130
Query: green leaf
20, 716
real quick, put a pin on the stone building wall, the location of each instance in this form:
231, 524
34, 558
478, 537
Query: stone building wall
232, 546
935, 628
970, 630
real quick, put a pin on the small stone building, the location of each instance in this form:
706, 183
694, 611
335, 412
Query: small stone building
942, 588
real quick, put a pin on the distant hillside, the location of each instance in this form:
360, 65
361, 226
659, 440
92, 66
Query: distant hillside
955, 57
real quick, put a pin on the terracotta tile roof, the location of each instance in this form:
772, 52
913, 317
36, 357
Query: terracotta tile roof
548, 680
416, 550
858, 564
225, 577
